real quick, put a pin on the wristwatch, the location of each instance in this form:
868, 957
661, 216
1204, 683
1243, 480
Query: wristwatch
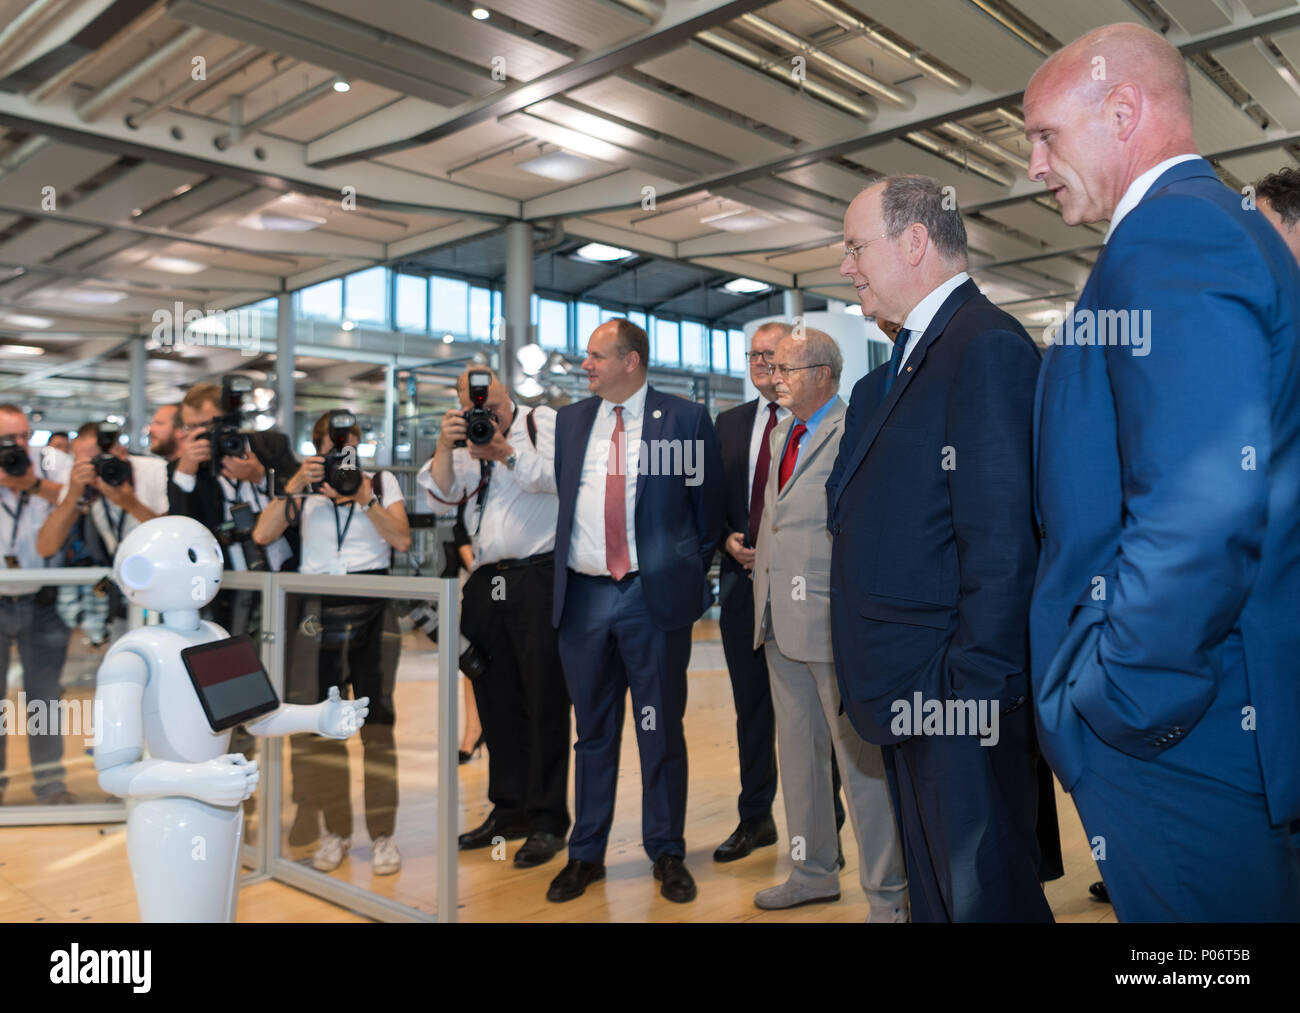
511, 461
373, 500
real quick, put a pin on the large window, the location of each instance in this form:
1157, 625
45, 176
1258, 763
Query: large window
553, 324
480, 314
695, 345
736, 352
366, 297
720, 351
589, 319
323, 301
449, 307
664, 347
412, 303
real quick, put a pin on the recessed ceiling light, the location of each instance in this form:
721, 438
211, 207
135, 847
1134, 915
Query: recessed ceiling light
270, 222
342, 86
479, 14
23, 320
560, 165
175, 265
447, 339
745, 286
94, 296
347, 325
747, 220
24, 349
601, 253
299, 374
136, 212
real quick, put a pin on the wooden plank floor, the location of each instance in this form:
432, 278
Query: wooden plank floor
80, 873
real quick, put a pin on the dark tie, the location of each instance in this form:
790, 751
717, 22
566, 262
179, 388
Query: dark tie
616, 554
896, 360
791, 455
761, 469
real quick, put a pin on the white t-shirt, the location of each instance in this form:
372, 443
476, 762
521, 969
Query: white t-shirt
148, 478
22, 516
363, 547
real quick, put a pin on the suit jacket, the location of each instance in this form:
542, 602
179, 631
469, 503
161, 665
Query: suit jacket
735, 426
793, 561
677, 525
930, 508
206, 503
1168, 491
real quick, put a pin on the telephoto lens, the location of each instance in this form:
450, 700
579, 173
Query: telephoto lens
13, 458
112, 470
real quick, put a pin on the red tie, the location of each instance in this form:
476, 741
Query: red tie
791, 455
761, 469
616, 556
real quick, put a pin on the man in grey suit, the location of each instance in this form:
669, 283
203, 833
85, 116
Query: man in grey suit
792, 623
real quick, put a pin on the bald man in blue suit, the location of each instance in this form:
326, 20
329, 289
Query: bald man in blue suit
1164, 641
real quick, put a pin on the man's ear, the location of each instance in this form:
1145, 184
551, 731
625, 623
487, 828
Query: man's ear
137, 572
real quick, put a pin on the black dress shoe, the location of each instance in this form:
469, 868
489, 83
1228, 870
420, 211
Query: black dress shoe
573, 879
678, 886
539, 849
481, 836
750, 834
1099, 892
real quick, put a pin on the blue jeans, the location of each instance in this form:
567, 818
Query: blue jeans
42, 640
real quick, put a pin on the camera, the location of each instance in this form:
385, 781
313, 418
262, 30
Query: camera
113, 470
480, 425
341, 469
239, 531
226, 433
423, 616
13, 458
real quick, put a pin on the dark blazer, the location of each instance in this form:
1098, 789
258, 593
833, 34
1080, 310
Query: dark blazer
930, 506
677, 525
205, 503
1167, 485
735, 427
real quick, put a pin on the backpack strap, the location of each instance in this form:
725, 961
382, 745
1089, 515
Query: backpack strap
532, 427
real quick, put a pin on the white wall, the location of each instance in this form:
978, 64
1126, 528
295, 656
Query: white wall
850, 331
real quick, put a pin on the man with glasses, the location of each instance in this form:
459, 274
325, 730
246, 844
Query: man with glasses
930, 508
29, 618
792, 606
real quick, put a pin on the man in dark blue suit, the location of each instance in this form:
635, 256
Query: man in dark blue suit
639, 477
1167, 439
933, 562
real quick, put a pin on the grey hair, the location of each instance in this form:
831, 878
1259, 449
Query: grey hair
819, 346
783, 329
911, 199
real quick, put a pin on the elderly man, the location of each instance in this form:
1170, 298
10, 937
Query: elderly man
1163, 615
933, 562
792, 624
1278, 196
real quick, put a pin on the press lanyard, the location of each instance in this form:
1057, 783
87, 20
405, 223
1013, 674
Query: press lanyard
16, 516
340, 535
254, 490
115, 527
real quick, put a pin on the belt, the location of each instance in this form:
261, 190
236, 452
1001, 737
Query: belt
605, 576
519, 564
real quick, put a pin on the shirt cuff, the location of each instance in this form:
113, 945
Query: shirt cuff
183, 481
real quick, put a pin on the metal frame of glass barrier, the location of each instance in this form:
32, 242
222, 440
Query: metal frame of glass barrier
83, 812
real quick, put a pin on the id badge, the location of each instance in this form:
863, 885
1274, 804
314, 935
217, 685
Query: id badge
337, 567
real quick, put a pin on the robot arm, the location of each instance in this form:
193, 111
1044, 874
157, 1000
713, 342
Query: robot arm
333, 718
119, 744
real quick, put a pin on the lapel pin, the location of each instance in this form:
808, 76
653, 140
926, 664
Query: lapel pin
657, 414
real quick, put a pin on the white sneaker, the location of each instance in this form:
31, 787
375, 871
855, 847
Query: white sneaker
331, 852
385, 859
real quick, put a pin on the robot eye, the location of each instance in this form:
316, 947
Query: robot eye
194, 556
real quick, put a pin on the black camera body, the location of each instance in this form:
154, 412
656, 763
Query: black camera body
13, 458
227, 433
342, 471
239, 531
111, 469
480, 425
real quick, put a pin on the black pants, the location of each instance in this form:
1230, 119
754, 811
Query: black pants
523, 704
367, 662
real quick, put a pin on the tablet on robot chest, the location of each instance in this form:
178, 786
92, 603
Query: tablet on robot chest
230, 681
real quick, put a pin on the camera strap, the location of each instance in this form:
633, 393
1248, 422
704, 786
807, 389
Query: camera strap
485, 470
16, 516
114, 526
342, 533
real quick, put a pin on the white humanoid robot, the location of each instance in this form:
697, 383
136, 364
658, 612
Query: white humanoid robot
185, 827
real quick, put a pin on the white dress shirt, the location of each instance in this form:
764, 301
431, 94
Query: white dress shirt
241, 492
756, 437
518, 520
22, 516
587, 543
923, 312
148, 479
1138, 189
363, 548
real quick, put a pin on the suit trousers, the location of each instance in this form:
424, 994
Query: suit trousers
1177, 845
810, 728
755, 724
609, 646
42, 641
968, 814
521, 696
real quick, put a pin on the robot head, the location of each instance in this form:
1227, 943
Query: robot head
169, 563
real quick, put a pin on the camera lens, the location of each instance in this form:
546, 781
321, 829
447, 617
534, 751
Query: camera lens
13, 459
113, 470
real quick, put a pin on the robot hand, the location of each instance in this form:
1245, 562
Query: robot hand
341, 718
227, 780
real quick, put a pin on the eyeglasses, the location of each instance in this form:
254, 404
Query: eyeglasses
756, 356
787, 370
852, 251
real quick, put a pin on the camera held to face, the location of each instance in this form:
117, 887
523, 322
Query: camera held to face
342, 472
13, 458
111, 469
480, 424
227, 432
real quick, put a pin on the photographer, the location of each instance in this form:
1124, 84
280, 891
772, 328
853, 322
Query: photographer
101, 484
350, 522
28, 617
500, 461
